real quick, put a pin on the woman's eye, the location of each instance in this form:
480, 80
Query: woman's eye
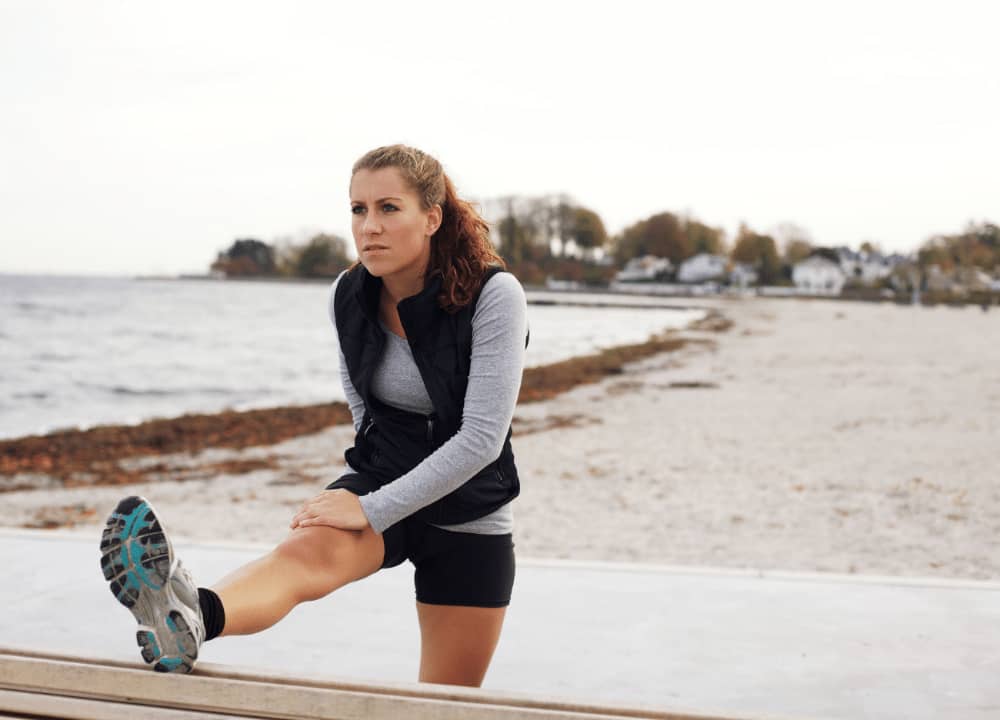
389, 206
356, 209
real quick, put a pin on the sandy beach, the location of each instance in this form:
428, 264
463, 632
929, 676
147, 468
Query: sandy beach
811, 435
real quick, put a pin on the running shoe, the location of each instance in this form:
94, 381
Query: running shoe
145, 577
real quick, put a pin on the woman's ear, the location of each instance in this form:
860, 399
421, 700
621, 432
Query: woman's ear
434, 217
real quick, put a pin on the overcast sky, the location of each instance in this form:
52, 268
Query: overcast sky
142, 138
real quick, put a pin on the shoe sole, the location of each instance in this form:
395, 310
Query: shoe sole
136, 558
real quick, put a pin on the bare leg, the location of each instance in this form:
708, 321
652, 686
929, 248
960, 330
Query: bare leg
457, 642
309, 564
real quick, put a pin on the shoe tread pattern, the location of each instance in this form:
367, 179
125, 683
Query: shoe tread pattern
136, 559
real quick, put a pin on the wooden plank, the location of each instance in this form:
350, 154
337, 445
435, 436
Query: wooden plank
37, 705
239, 692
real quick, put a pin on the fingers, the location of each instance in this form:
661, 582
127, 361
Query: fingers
308, 513
320, 498
302, 516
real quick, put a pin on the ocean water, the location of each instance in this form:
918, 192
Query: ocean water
84, 351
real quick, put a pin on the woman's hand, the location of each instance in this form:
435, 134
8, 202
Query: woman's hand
337, 508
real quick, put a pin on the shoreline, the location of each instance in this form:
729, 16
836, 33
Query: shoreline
90, 456
810, 437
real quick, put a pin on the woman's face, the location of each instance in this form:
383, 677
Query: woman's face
391, 231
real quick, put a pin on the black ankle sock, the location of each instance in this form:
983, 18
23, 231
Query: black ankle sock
212, 612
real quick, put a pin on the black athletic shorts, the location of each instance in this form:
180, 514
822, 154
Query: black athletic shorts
452, 568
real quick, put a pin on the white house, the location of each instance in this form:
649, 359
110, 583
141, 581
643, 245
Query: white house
596, 255
817, 275
647, 267
867, 268
743, 275
702, 267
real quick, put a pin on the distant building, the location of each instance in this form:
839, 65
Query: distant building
866, 268
743, 275
597, 255
818, 275
702, 268
645, 268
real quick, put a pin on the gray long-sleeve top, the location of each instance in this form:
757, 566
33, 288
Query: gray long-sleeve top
499, 327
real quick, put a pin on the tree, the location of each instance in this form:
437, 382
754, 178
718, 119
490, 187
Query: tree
759, 251
587, 229
704, 239
870, 248
978, 246
246, 257
794, 241
987, 234
323, 256
560, 220
661, 235
517, 230
796, 251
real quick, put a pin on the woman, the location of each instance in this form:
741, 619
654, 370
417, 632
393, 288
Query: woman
432, 335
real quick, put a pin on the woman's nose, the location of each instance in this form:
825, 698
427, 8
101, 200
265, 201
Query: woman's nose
371, 225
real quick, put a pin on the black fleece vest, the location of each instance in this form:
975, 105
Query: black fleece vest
391, 442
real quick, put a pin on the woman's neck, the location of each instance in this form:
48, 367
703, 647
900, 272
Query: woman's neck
399, 288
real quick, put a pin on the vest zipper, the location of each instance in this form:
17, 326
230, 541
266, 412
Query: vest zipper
373, 454
430, 430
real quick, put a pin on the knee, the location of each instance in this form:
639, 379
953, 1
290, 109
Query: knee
326, 557
313, 553
313, 547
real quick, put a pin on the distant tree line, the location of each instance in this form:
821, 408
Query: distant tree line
552, 236
322, 256
548, 236
978, 246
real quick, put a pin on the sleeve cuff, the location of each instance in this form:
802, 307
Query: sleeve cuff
377, 519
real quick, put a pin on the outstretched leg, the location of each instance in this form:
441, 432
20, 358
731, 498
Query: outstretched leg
138, 560
310, 563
